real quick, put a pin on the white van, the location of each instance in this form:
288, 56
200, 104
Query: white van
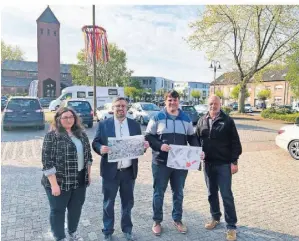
104, 95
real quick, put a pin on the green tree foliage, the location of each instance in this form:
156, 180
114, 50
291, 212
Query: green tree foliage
131, 92
9, 52
112, 73
249, 36
219, 93
293, 71
264, 94
235, 93
195, 94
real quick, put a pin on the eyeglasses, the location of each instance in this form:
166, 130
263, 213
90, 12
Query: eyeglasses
120, 106
67, 118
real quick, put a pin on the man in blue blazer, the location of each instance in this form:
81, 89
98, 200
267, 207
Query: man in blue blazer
117, 175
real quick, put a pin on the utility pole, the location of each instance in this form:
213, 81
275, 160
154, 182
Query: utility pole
94, 62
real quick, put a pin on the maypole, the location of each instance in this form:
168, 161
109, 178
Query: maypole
96, 49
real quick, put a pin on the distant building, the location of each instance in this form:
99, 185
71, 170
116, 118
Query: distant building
53, 76
153, 84
273, 80
187, 88
17, 75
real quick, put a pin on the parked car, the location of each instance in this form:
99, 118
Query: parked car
191, 112
235, 106
82, 108
106, 111
248, 108
288, 139
3, 102
143, 111
23, 112
45, 102
202, 109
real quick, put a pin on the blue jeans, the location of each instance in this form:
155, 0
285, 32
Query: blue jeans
125, 183
73, 200
220, 177
162, 175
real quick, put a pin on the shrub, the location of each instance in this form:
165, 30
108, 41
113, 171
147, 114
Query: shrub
280, 114
227, 110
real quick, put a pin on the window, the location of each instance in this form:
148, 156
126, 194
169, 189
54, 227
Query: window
268, 87
32, 74
112, 92
150, 81
41, 31
90, 93
278, 87
66, 96
79, 105
54, 33
81, 94
48, 32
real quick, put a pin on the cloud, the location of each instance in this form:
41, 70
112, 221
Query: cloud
152, 36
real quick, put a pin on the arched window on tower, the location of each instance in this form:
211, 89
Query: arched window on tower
41, 31
48, 32
54, 33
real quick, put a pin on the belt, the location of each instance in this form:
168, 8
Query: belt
124, 169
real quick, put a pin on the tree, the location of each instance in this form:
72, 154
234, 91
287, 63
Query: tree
235, 93
264, 95
195, 94
9, 52
107, 74
160, 93
219, 93
250, 36
131, 92
293, 71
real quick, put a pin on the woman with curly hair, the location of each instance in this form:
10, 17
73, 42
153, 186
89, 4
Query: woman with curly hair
66, 159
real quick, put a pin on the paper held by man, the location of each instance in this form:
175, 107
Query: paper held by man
184, 157
125, 148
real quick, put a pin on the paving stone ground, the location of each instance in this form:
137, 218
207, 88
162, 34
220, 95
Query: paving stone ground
266, 191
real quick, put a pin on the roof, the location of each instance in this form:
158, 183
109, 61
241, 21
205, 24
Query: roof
47, 17
24, 97
29, 66
233, 77
15, 82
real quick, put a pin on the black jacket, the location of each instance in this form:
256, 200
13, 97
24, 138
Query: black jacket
222, 144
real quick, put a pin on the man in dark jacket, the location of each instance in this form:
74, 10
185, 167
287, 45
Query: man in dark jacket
220, 141
169, 126
117, 175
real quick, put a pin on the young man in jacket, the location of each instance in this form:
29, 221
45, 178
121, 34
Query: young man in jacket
220, 141
169, 126
117, 175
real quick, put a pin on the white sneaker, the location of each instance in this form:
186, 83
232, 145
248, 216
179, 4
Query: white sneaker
75, 237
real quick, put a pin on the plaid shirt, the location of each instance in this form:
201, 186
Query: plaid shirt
59, 157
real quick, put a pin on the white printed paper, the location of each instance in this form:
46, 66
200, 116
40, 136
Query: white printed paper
184, 157
128, 147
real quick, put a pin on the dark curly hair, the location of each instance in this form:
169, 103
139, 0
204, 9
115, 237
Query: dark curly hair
56, 126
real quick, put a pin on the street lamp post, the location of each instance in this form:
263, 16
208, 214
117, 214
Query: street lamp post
215, 64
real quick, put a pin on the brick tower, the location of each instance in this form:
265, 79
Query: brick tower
48, 51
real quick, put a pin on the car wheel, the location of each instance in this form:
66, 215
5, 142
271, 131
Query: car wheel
294, 149
142, 120
90, 125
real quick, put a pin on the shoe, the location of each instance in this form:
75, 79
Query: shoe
157, 229
75, 237
180, 227
108, 237
129, 237
231, 235
212, 224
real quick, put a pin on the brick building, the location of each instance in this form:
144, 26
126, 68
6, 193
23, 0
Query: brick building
273, 80
52, 76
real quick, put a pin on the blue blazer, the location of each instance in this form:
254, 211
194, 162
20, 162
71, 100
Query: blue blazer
106, 128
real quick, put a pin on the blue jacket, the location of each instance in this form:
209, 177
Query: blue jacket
106, 128
162, 129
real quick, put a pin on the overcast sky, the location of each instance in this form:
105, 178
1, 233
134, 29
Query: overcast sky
152, 36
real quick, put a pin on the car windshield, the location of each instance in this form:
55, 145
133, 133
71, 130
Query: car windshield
23, 104
79, 105
188, 108
150, 107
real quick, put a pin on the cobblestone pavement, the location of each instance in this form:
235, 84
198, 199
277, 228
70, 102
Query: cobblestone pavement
266, 193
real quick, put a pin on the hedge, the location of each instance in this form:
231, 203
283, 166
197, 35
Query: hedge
227, 110
271, 113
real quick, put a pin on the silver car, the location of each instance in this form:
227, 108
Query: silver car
143, 111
